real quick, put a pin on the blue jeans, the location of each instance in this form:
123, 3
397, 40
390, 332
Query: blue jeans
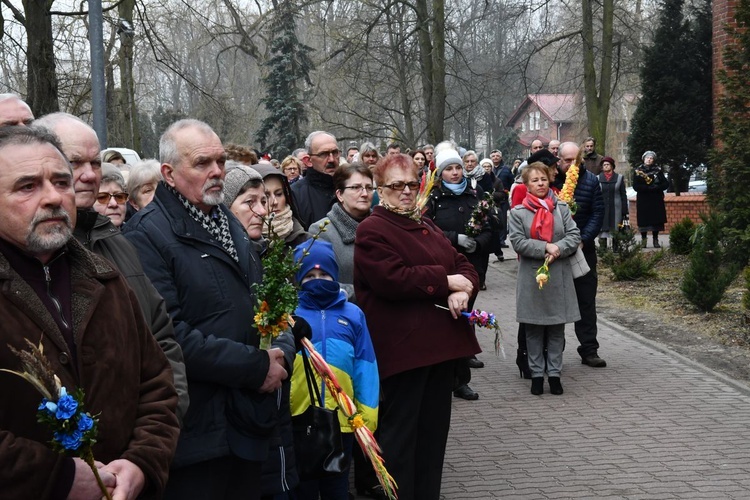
333, 487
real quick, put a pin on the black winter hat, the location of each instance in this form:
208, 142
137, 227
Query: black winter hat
544, 156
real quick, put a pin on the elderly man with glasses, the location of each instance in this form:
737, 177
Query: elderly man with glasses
315, 194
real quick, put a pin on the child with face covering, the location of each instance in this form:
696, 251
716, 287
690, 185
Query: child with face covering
340, 334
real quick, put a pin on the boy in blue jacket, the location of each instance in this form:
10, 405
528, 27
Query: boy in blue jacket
339, 333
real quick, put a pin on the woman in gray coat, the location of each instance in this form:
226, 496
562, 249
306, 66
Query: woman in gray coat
354, 191
541, 227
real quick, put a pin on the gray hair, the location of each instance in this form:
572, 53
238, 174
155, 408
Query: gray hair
313, 135
21, 136
110, 173
470, 152
142, 173
168, 146
54, 120
368, 147
567, 144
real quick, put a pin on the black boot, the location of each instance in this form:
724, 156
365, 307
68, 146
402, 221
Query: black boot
555, 387
656, 240
537, 386
522, 361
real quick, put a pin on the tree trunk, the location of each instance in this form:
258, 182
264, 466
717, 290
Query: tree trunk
436, 120
598, 93
41, 79
432, 64
128, 108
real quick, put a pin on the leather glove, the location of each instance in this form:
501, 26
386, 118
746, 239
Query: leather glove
300, 329
467, 243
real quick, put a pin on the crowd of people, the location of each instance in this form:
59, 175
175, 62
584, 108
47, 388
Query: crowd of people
141, 283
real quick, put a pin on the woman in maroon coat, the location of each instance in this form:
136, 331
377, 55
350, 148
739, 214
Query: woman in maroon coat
403, 267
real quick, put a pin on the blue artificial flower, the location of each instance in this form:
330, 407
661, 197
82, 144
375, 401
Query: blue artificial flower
66, 405
48, 405
69, 441
85, 422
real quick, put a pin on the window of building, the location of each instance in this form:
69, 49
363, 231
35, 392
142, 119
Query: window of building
534, 120
523, 126
622, 125
622, 152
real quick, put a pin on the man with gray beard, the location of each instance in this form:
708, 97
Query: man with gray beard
81, 313
201, 260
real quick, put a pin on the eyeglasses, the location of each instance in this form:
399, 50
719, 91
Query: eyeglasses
104, 198
360, 188
400, 185
323, 155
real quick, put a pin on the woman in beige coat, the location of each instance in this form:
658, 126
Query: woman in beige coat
541, 227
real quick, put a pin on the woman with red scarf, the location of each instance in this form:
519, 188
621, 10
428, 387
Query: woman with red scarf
541, 227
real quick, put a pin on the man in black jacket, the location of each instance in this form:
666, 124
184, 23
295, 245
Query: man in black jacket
588, 217
314, 194
97, 233
201, 260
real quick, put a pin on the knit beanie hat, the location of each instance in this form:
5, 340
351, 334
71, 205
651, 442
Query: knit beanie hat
236, 176
447, 157
320, 256
648, 153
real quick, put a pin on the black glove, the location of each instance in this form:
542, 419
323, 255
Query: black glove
300, 329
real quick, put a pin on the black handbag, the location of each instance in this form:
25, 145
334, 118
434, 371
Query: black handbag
317, 435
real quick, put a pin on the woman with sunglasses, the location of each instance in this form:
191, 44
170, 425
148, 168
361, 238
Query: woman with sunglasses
403, 268
113, 196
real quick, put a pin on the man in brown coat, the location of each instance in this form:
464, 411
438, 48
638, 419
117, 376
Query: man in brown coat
92, 331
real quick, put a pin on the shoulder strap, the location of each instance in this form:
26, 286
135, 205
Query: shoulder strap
311, 384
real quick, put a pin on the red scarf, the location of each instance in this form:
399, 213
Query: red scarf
608, 176
543, 225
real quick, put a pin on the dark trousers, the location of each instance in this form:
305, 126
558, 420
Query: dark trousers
463, 372
415, 417
220, 478
586, 286
329, 488
503, 230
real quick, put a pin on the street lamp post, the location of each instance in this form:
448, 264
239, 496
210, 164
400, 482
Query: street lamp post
98, 89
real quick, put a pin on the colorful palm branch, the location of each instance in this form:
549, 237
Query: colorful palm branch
425, 188
364, 436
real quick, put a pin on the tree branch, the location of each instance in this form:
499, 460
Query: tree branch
82, 12
17, 14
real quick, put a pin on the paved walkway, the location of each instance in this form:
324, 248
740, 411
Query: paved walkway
652, 425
